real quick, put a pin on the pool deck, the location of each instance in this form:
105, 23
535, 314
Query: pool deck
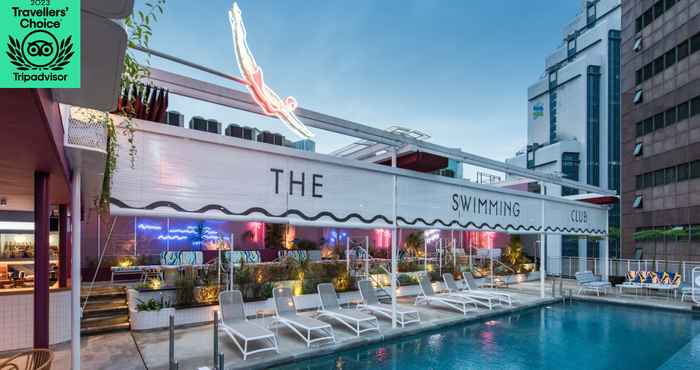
194, 345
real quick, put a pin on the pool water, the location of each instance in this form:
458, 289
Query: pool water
574, 336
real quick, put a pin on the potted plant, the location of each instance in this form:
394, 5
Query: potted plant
151, 314
184, 288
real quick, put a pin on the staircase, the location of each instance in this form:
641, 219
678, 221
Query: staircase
106, 310
358, 270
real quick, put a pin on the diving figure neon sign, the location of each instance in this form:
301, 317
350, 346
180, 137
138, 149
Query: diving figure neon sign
270, 103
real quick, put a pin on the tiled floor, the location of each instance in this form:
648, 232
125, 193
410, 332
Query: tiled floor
194, 345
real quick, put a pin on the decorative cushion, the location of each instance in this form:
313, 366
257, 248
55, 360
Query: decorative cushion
247, 256
178, 258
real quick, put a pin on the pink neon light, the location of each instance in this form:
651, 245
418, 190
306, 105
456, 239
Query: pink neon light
382, 238
270, 103
256, 229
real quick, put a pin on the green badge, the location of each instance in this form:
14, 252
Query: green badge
40, 40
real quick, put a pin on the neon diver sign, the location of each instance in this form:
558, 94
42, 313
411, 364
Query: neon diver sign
270, 103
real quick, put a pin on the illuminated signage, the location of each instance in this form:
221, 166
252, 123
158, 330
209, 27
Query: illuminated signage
537, 110
270, 103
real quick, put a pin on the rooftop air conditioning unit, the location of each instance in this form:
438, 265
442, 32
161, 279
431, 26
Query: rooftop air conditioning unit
175, 118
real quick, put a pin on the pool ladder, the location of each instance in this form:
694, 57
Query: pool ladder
564, 297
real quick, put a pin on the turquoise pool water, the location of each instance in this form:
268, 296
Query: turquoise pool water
573, 336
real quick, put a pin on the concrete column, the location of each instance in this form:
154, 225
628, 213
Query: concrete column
41, 260
63, 250
604, 267
582, 254
75, 270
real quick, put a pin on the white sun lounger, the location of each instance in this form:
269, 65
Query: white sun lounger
370, 302
455, 302
232, 321
485, 300
470, 284
305, 327
355, 320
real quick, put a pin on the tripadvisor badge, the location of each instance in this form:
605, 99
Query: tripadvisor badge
42, 43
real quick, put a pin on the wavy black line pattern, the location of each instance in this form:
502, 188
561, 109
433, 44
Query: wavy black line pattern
249, 211
296, 212
507, 227
478, 226
574, 229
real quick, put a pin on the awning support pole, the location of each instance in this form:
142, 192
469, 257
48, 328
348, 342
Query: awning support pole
75, 270
543, 238
347, 254
394, 263
230, 264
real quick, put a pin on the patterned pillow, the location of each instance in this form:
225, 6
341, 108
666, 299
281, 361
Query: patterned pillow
677, 279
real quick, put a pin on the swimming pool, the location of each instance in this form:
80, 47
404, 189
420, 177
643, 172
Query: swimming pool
580, 335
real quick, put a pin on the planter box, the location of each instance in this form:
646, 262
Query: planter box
144, 320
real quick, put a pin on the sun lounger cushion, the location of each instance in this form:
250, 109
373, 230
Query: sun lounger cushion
676, 279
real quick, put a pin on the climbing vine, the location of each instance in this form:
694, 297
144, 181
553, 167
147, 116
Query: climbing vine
138, 27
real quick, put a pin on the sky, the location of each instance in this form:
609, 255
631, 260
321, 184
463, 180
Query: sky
457, 70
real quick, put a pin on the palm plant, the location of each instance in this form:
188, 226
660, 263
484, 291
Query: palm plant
414, 243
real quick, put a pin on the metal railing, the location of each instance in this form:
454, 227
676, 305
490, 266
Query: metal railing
569, 266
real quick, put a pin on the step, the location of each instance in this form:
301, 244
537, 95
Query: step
105, 309
88, 322
103, 292
92, 330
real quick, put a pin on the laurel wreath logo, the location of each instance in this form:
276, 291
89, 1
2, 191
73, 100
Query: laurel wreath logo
17, 57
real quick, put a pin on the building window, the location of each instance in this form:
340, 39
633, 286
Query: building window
638, 24
638, 149
553, 107
670, 175
648, 71
590, 14
682, 111
639, 131
637, 44
659, 121
648, 17
639, 182
659, 177
671, 116
695, 106
593, 126
682, 50
670, 58
695, 43
638, 96
638, 202
658, 65
614, 51
695, 169
658, 8
569, 168
638, 77
648, 126
669, 4
682, 172
571, 48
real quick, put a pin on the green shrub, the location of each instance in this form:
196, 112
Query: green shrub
152, 304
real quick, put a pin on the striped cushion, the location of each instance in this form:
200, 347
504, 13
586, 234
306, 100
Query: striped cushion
677, 279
